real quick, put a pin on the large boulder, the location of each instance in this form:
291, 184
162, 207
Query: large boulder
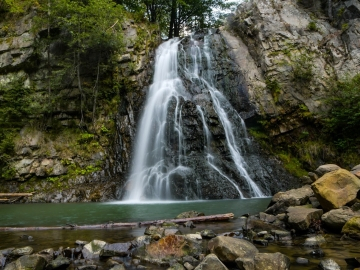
300, 218
336, 218
324, 169
352, 227
92, 250
228, 249
356, 171
336, 189
30, 262
294, 197
211, 262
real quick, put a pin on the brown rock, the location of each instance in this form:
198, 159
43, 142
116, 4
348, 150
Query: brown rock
336, 218
279, 261
211, 262
300, 218
336, 189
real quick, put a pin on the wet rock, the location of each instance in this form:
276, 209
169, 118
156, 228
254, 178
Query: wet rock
211, 262
314, 241
329, 264
336, 218
22, 251
191, 260
336, 189
193, 237
59, 262
318, 253
271, 261
68, 252
188, 266
172, 231
352, 227
176, 266
354, 262
2, 260
313, 176
117, 249
190, 214
141, 241
266, 217
6, 251
302, 261
281, 235
87, 267
92, 250
300, 218
31, 262
207, 234
294, 197
323, 169
118, 267
227, 249
189, 224
47, 254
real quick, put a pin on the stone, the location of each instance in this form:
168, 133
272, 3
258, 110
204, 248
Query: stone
6, 251
188, 266
59, 262
335, 219
302, 261
245, 263
314, 241
318, 253
228, 249
118, 267
47, 254
193, 237
2, 260
87, 267
153, 230
30, 262
313, 176
281, 235
117, 249
356, 171
207, 234
266, 217
92, 250
81, 242
329, 264
190, 214
172, 231
336, 189
211, 262
294, 197
276, 260
300, 218
352, 227
189, 224
324, 169
10, 266
22, 251
176, 266
141, 241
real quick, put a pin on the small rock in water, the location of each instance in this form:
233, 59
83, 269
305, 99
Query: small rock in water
317, 253
26, 237
189, 224
207, 234
329, 264
314, 241
300, 260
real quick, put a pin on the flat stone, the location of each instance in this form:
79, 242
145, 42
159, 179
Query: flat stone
116, 249
300, 218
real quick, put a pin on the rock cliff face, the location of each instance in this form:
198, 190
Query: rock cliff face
70, 154
290, 53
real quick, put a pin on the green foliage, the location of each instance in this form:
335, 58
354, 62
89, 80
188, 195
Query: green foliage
16, 6
303, 69
274, 87
344, 26
343, 120
292, 164
85, 138
312, 26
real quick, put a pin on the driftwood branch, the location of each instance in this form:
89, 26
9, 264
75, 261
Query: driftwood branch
15, 194
219, 217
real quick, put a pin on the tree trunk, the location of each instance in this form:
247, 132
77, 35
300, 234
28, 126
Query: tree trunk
173, 18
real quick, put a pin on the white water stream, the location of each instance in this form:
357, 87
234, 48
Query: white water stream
152, 171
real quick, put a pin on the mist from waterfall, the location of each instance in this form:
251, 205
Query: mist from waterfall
165, 167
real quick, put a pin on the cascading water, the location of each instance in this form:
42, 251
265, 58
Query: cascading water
190, 141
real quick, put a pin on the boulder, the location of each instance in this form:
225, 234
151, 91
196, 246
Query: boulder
336, 189
190, 214
22, 251
154, 230
30, 262
47, 254
59, 262
207, 234
228, 249
294, 197
324, 169
92, 250
329, 264
117, 249
211, 262
276, 260
300, 218
336, 218
352, 227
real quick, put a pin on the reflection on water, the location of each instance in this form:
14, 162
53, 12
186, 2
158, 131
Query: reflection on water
92, 213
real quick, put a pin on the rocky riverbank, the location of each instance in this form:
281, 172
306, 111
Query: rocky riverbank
301, 217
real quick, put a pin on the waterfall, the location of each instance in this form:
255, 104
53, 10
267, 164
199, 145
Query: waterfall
190, 141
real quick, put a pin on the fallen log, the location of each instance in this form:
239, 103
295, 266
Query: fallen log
15, 194
110, 225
